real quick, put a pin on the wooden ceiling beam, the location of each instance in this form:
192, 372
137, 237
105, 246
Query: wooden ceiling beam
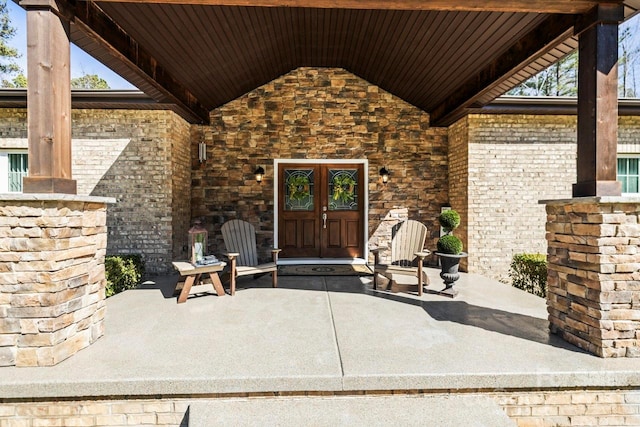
90, 19
534, 6
524, 51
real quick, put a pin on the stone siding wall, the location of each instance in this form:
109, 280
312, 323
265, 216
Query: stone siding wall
594, 274
52, 282
143, 159
558, 408
315, 113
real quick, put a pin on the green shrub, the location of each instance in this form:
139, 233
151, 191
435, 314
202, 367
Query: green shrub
449, 220
449, 244
123, 272
529, 273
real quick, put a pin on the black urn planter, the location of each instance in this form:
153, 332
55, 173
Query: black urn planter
449, 264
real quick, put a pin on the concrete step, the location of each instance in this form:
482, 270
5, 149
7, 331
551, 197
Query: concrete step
379, 410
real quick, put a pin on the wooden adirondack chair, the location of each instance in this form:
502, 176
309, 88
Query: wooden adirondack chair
240, 239
407, 254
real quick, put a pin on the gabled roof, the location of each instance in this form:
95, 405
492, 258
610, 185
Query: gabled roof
441, 56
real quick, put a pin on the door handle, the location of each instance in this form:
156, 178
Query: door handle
324, 220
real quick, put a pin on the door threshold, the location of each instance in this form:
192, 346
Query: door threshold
317, 261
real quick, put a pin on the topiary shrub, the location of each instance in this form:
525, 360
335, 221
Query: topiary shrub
529, 273
449, 244
122, 272
449, 220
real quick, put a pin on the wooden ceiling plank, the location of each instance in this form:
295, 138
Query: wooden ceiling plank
240, 60
438, 48
392, 32
481, 51
423, 46
532, 6
216, 52
90, 19
457, 35
403, 42
554, 29
375, 44
284, 21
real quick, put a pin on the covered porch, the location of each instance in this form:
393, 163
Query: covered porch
332, 350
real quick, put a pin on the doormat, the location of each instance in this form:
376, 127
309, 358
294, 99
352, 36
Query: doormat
325, 270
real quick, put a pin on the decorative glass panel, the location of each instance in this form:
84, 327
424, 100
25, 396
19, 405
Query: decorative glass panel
629, 174
343, 189
298, 189
18, 168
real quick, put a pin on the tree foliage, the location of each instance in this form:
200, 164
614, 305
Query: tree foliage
561, 78
8, 54
89, 81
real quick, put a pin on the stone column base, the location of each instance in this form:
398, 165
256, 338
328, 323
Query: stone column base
594, 273
52, 278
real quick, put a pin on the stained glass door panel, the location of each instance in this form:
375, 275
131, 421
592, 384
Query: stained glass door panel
299, 214
320, 210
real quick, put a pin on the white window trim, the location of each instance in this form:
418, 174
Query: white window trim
4, 167
629, 156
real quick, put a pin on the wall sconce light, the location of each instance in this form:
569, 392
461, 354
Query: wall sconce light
259, 173
202, 152
384, 173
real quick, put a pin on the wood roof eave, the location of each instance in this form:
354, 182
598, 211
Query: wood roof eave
90, 19
533, 6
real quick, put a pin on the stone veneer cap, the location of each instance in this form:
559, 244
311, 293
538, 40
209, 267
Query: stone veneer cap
36, 197
595, 199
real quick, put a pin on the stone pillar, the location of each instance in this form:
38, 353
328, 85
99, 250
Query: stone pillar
594, 273
52, 278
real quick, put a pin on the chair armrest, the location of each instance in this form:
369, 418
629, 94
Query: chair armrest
376, 255
232, 255
274, 254
422, 255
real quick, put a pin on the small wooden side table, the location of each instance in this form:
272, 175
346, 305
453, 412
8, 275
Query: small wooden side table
192, 275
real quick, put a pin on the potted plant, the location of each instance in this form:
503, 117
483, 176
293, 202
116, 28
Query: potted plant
449, 251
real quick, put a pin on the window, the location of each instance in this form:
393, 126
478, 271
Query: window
13, 167
629, 174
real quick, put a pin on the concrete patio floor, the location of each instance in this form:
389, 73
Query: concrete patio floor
321, 334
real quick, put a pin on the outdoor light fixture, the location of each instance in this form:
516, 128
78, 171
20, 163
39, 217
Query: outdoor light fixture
384, 173
259, 173
202, 152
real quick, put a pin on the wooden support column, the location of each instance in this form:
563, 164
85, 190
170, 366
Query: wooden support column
598, 102
48, 99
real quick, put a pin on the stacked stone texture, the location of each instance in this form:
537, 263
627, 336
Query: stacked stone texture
52, 282
318, 113
594, 274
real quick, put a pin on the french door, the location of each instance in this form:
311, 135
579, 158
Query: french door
321, 210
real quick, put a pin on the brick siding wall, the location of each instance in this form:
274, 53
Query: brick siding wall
143, 159
558, 408
315, 113
459, 183
514, 161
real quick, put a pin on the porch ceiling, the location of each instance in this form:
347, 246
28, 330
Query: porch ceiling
201, 54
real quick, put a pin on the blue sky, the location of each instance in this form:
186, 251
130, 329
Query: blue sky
83, 63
